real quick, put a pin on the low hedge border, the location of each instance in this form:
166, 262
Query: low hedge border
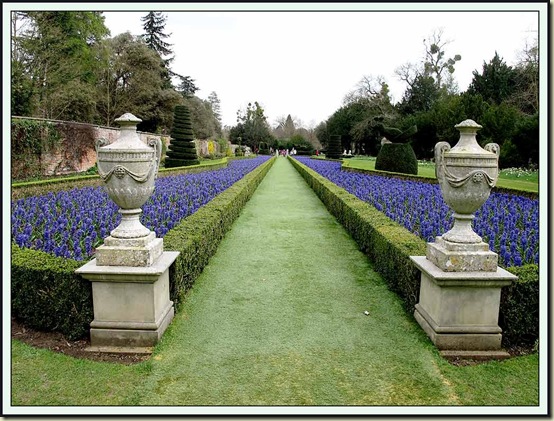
47, 294
496, 189
35, 188
389, 246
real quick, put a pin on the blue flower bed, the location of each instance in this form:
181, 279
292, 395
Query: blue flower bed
509, 223
73, 223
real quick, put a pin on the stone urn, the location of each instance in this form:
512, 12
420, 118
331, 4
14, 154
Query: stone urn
129, 168
466, 174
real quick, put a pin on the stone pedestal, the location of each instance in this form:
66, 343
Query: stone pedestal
131, 304
459, 310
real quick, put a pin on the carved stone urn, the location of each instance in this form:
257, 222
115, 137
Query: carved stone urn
466, 174
129, 169
130, 274
461, 282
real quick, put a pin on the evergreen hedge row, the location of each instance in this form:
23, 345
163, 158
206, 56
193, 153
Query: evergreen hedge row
46, 294
389, 246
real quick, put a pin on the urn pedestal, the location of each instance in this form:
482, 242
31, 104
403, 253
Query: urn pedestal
460, 278
130, 274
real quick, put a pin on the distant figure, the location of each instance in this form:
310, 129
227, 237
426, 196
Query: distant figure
316, 152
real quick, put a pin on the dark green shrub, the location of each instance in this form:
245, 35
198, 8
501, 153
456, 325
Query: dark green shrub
397, 157
181, 150
48, 295
519, 307
334, 150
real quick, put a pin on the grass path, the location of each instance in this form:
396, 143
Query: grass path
277, 318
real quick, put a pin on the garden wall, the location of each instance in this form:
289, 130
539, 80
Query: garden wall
70, 148
46, 294
389, 246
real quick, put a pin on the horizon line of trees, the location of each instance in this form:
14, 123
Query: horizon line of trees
65, 66
502, 98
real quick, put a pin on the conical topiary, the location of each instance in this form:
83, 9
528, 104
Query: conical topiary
181, 150
334, 148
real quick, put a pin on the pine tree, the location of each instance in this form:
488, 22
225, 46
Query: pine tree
154, 24
182, 150
334, 147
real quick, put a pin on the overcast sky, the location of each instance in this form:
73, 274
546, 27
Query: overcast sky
304, 63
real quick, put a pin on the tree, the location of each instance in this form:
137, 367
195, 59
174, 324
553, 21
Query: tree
434, 66
204, 122
182, 150
253, 126
496, 82
154, 25
435, 63
526, 94
420, 96
54, 63
131, 81
322, 134
186, 86
215, 104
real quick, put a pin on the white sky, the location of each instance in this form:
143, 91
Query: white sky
303, 63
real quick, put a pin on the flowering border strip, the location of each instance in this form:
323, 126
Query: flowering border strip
34, 188
47, 294
419, 178
389, 245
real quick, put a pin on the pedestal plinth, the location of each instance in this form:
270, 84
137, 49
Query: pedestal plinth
131, 304
459, 310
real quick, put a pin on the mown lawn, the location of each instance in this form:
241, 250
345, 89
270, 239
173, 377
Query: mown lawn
277, 318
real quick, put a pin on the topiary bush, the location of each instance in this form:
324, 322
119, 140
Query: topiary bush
334, 148
181, 150
397, 157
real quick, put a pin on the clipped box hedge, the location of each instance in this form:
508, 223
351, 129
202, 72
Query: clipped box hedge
389, 246
519, 307
46, 294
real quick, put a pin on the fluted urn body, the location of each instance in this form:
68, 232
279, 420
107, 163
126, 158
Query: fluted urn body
466, 174
129, 168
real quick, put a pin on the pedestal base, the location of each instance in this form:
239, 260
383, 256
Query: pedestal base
137, 252
459, 310
131, 304
455, 257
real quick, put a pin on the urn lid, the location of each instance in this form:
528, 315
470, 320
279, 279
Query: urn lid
128, 118
467, 146
129, 140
